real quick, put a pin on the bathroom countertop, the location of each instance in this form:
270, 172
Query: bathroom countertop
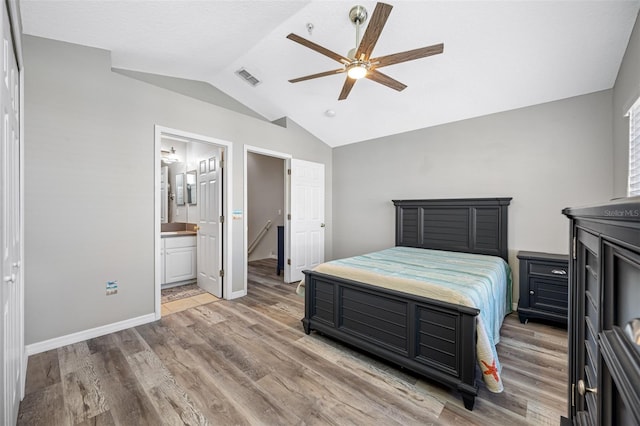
177, 234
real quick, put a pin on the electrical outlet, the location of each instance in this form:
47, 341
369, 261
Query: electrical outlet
112, 288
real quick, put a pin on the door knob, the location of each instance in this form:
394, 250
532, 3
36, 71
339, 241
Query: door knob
532, 292
322, 225
16, 265
196, 228
10, 279
583, 389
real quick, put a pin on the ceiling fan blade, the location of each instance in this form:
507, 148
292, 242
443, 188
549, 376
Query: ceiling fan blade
370, 38
348, 85
409, 55
320, 74
378, 77
313, 46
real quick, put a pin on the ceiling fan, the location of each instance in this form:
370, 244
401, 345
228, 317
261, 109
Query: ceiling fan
358, 63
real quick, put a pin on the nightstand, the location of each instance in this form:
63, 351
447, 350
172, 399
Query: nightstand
544, 283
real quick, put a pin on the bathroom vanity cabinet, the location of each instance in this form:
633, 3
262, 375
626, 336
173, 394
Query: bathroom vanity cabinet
179, 256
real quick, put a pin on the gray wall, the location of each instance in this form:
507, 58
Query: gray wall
546, 157
194, 89
265, 201
89, 183
625, 92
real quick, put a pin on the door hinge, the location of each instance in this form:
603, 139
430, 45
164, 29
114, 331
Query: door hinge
573, 393
288, 261
289, 172
573, 248
289, 216
222, 272
221, 164
221, 219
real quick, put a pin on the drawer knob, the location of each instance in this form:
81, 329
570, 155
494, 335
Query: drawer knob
559, 272
583, 389
532, 292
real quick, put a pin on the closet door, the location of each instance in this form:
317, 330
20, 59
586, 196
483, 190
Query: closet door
11, 329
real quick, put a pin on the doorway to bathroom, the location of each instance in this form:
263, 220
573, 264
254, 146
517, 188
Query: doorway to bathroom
191, 206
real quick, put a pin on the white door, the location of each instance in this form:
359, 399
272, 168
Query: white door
307, 218
209, 248
11, 329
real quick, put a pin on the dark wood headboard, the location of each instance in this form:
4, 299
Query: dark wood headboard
472, 225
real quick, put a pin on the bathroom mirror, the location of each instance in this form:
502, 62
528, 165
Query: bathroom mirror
192, 187
179, 189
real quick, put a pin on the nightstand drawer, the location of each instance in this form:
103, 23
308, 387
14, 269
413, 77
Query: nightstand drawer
548, 269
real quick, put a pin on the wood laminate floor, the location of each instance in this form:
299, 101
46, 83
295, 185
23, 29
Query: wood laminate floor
248, 361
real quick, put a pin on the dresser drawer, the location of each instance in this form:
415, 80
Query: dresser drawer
548, 269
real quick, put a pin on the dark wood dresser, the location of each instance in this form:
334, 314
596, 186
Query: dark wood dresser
604, 300
544, 291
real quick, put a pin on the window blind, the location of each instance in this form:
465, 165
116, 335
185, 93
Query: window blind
634, 149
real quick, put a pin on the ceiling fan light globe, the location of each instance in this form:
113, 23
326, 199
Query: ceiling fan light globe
357, 71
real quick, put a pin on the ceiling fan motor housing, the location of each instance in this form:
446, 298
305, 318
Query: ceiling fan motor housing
358, 14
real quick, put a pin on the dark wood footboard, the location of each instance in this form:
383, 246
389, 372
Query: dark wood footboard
432, 338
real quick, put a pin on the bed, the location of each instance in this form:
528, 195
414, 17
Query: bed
434, 338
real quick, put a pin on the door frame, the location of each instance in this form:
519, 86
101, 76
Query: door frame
286, 208
227, 201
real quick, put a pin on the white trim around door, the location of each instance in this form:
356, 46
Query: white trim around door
287, 158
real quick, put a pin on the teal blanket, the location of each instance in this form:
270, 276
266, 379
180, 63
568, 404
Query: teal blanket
484, 279
479, 281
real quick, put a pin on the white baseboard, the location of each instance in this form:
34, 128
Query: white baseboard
69, 339
236, 294
177, 284
514, 306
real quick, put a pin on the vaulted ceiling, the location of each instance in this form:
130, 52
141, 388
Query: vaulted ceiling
498, 55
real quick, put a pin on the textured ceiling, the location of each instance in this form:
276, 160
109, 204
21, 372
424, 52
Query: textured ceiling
498, 55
